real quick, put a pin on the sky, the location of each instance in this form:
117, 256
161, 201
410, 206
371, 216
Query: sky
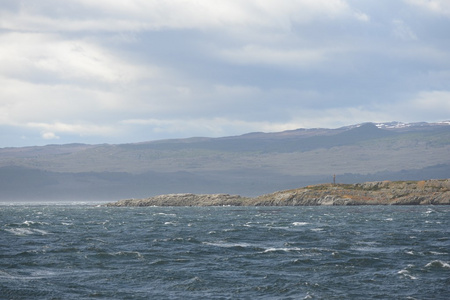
109, 71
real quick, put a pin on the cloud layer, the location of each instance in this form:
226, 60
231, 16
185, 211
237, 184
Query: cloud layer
127, 71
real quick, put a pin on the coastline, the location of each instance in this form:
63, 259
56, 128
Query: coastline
425, 192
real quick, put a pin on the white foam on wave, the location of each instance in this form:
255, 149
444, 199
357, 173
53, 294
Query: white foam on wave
282, 249
26, 231
406, 274
438, 253
430, 211
300, 223
438, 264
164, 214
43, 232
30, 223
26, 274
128, 253
170, 223
228, 245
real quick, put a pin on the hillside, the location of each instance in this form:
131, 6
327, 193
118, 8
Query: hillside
251, 164
435, 192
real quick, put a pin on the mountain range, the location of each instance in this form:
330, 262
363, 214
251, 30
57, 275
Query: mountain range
250, 164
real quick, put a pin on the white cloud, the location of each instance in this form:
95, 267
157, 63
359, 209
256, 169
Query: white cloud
47, 56
255, 54
403, 31
208, 127
361, 16
49, 136
49, 130
441, 7
46, 78
33, 102
176, 14
433, 101
432, 106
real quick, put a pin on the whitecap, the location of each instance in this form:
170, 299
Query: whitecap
300, 223
282, 249
164, 214
438, 264
406, 274
228, 245
437, 253
29, 223
20, 231
335, 254
26, 231
128, 253
40, 231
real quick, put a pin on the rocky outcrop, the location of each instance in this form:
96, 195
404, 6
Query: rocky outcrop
184, 200
369, 193
430, 192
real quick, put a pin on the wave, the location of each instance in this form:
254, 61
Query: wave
283, 249
26, 231
300, 223
230, 245
27, 223
405, 273
438, 264
165, 214
170, 223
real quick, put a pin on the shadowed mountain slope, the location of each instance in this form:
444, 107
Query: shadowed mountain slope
250, 164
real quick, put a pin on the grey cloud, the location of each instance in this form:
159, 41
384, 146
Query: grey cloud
152, 69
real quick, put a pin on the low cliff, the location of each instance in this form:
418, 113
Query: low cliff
436, 192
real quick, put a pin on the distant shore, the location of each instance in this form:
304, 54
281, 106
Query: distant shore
425, 192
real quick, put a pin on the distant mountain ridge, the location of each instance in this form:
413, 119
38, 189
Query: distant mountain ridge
249, 164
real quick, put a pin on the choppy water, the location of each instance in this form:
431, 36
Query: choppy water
81, 251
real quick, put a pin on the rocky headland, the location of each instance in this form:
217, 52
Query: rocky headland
427, 192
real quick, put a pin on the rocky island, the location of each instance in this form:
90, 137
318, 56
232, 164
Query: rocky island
426, 192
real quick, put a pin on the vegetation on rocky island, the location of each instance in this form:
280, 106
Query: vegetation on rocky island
425, 192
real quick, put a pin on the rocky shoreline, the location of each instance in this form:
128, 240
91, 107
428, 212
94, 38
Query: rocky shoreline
427, 192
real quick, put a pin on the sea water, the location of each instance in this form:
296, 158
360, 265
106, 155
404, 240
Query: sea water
95, 252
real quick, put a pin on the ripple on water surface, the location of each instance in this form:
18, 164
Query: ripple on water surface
80, 251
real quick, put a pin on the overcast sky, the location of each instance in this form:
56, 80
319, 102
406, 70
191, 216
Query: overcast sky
110, 71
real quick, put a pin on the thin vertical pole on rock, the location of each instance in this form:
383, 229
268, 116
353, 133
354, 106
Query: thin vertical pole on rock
334, 179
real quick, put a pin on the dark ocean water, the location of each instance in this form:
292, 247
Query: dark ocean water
85, 252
